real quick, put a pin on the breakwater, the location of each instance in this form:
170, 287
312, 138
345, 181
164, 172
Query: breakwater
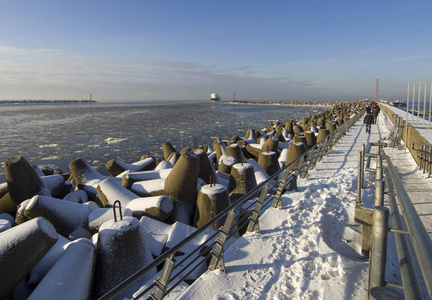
157, 203
44, 101
288, 103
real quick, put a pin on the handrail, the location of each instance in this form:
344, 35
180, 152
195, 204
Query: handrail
420, 238
309, 162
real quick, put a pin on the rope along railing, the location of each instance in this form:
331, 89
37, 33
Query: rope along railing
376, 228
211, 251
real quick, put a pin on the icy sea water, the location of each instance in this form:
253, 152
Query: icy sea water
55, 134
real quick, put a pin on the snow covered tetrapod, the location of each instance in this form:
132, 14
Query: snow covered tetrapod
212, 199
21, 248
23, 181
181, 187
121, 251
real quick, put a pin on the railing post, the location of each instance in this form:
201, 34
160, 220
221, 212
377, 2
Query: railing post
253, 220
379, 247
162, 281
363, 165
360, 176
379, 183
217, 261
308, 163
280, 190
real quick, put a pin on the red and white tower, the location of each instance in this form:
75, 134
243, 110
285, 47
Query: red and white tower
376, 93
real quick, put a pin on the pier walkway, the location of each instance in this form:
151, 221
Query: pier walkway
310, 248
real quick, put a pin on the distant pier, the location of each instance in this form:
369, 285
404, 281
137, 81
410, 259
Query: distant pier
287, 103
44, 101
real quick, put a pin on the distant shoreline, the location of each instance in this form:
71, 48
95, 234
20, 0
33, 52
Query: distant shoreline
287, 103
44, 101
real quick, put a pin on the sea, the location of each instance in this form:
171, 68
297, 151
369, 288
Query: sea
54, 134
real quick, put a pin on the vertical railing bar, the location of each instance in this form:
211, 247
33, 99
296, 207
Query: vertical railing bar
430, 104
424, 104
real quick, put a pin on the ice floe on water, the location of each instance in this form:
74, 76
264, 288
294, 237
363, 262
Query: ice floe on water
111, 140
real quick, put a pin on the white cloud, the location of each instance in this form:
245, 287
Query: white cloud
40, 71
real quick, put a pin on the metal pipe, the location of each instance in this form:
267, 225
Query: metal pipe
379, 192
430, 104
359, 177
379, 247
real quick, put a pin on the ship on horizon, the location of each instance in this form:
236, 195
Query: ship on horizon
214, 97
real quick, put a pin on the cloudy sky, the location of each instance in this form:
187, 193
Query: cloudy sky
186, 49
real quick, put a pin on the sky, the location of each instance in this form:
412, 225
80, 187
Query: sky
185, 50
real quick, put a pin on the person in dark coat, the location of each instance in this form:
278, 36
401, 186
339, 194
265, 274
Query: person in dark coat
375, 111
368, 120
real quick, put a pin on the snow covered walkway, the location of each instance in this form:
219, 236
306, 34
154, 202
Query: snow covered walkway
310, 248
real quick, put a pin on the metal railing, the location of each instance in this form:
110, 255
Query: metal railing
424, 154
376, 228
212, 249
419, 102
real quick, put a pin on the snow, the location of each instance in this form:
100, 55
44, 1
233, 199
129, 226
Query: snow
242, 167
70, 277
310, 248
213, 189
78, 196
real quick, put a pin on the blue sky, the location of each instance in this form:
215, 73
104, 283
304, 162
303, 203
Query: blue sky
169, 50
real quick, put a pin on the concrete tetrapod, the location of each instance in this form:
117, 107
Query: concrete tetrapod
54, 184
271, 144
322, 133
65, 216
251, 136
310, 138
121, 251
294, 151
181, 187
21, 248
7, 205
220, 148
115, 167
226, 163
167, 149
242, 180
212, 199
289, 127
269, 162
99, 216
86, 178
71, 276
331, 126
158, 207
23, 181
300, 139
78, 196
298, 129
234, 150
206, 170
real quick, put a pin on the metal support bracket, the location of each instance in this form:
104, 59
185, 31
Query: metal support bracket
254, 218
162, 281
217, 260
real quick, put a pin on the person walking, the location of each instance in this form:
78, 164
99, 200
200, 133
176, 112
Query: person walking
375, 111
368, 120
